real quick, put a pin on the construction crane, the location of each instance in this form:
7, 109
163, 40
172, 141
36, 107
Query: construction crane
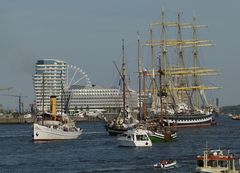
5, 88
19, 100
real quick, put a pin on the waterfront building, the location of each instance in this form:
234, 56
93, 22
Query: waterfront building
82, 98
48, 80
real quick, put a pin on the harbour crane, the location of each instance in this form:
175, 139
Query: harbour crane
5, 88
19, 100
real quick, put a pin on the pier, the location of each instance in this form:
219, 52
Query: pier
15, 120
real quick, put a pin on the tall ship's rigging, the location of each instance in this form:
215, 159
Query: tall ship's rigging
185, 103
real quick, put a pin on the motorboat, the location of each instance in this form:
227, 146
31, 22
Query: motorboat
236, 117
216, 161
135, 138
165, 164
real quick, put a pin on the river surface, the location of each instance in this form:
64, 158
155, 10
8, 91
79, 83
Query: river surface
97, 152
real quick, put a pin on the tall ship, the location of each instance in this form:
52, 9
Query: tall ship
176, 67
125, 120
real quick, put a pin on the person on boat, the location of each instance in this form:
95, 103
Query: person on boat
111, 123
162, 163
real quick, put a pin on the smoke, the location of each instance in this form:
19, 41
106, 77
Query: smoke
27, 61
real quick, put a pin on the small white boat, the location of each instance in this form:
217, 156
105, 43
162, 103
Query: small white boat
135, 138
236, 117
165, 164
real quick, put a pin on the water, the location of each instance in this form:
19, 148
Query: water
95, 151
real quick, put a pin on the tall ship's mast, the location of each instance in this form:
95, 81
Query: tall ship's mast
182, 79
123, 80
139, 68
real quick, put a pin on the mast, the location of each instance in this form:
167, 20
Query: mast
160, 92
154, 87
43, 94
139, 76
144, 94
123, 78
181, 81
164, 52
195, 56
62, 93
181, 60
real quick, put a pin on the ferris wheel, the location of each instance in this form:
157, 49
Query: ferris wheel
76, 76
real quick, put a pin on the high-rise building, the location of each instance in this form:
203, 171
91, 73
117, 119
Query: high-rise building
48, 80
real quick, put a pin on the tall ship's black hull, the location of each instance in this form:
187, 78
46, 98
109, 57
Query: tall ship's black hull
189, 120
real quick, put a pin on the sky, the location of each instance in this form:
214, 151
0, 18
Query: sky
88, 34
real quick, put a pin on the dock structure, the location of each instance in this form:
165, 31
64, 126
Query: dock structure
15, 120
9, 119
21, 120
